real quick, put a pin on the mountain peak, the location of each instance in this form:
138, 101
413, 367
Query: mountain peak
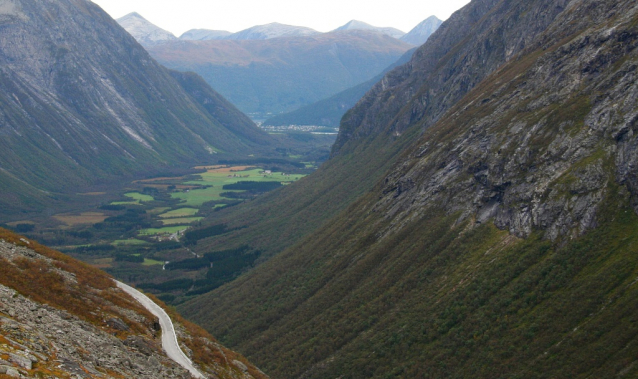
204, 34
422, 31
145, 32
360, 25
132, 15
272, 30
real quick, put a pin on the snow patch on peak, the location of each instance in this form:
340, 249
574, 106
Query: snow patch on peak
360, 25
144, 31
273, 30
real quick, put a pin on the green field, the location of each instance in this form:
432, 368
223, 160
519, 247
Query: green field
181, 220
158, 231
216, 179
182, 212
125, 203
151, 262
129, 242
139, 197
156, 211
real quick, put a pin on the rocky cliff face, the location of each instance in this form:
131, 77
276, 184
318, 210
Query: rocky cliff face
541, 143
60, 318
473, 43
501, 241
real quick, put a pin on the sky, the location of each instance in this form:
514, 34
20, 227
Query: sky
178, 16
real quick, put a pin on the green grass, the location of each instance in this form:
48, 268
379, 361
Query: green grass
151, 262
165, 230
216, 181
129, 242
182, 212
222, 178
125, 203
156, 211
139, 197
181, 220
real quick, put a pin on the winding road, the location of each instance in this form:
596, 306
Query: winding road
169, 338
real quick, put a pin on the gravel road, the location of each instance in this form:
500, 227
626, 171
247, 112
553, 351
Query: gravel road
169, 338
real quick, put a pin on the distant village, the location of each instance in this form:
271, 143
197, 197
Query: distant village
315, 129
265, 173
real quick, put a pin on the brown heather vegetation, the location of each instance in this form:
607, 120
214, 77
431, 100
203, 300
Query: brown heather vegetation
94, 297
206, 353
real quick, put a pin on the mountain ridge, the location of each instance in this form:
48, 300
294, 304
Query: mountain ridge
272, 30
360, 25
328, 112
145, 32
204, 34
501, 235
63, 107
279, 74
420, 33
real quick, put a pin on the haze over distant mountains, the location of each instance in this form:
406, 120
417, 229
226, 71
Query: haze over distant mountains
328, 112
423, 31
360, 25
149, 34
275, 75
265, 74
273, 30
204, 34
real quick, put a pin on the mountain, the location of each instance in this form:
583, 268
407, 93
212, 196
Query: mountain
144, 32
360, 25
259, 32
423, 31
328, 112
275, 75
61, 317
273, 30
488, 226
83, 104
204, 34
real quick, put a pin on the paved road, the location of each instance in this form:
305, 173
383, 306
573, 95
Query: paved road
169, 338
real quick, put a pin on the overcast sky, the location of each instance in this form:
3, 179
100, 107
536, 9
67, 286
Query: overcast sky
178, 16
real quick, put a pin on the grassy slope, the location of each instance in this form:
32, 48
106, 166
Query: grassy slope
439, 300
434, 302
278, 220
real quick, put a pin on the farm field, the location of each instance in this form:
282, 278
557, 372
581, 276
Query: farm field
181, 220
129, 242
181, 212
160, 231
82, 218
134, 232
214, 179
151, 262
